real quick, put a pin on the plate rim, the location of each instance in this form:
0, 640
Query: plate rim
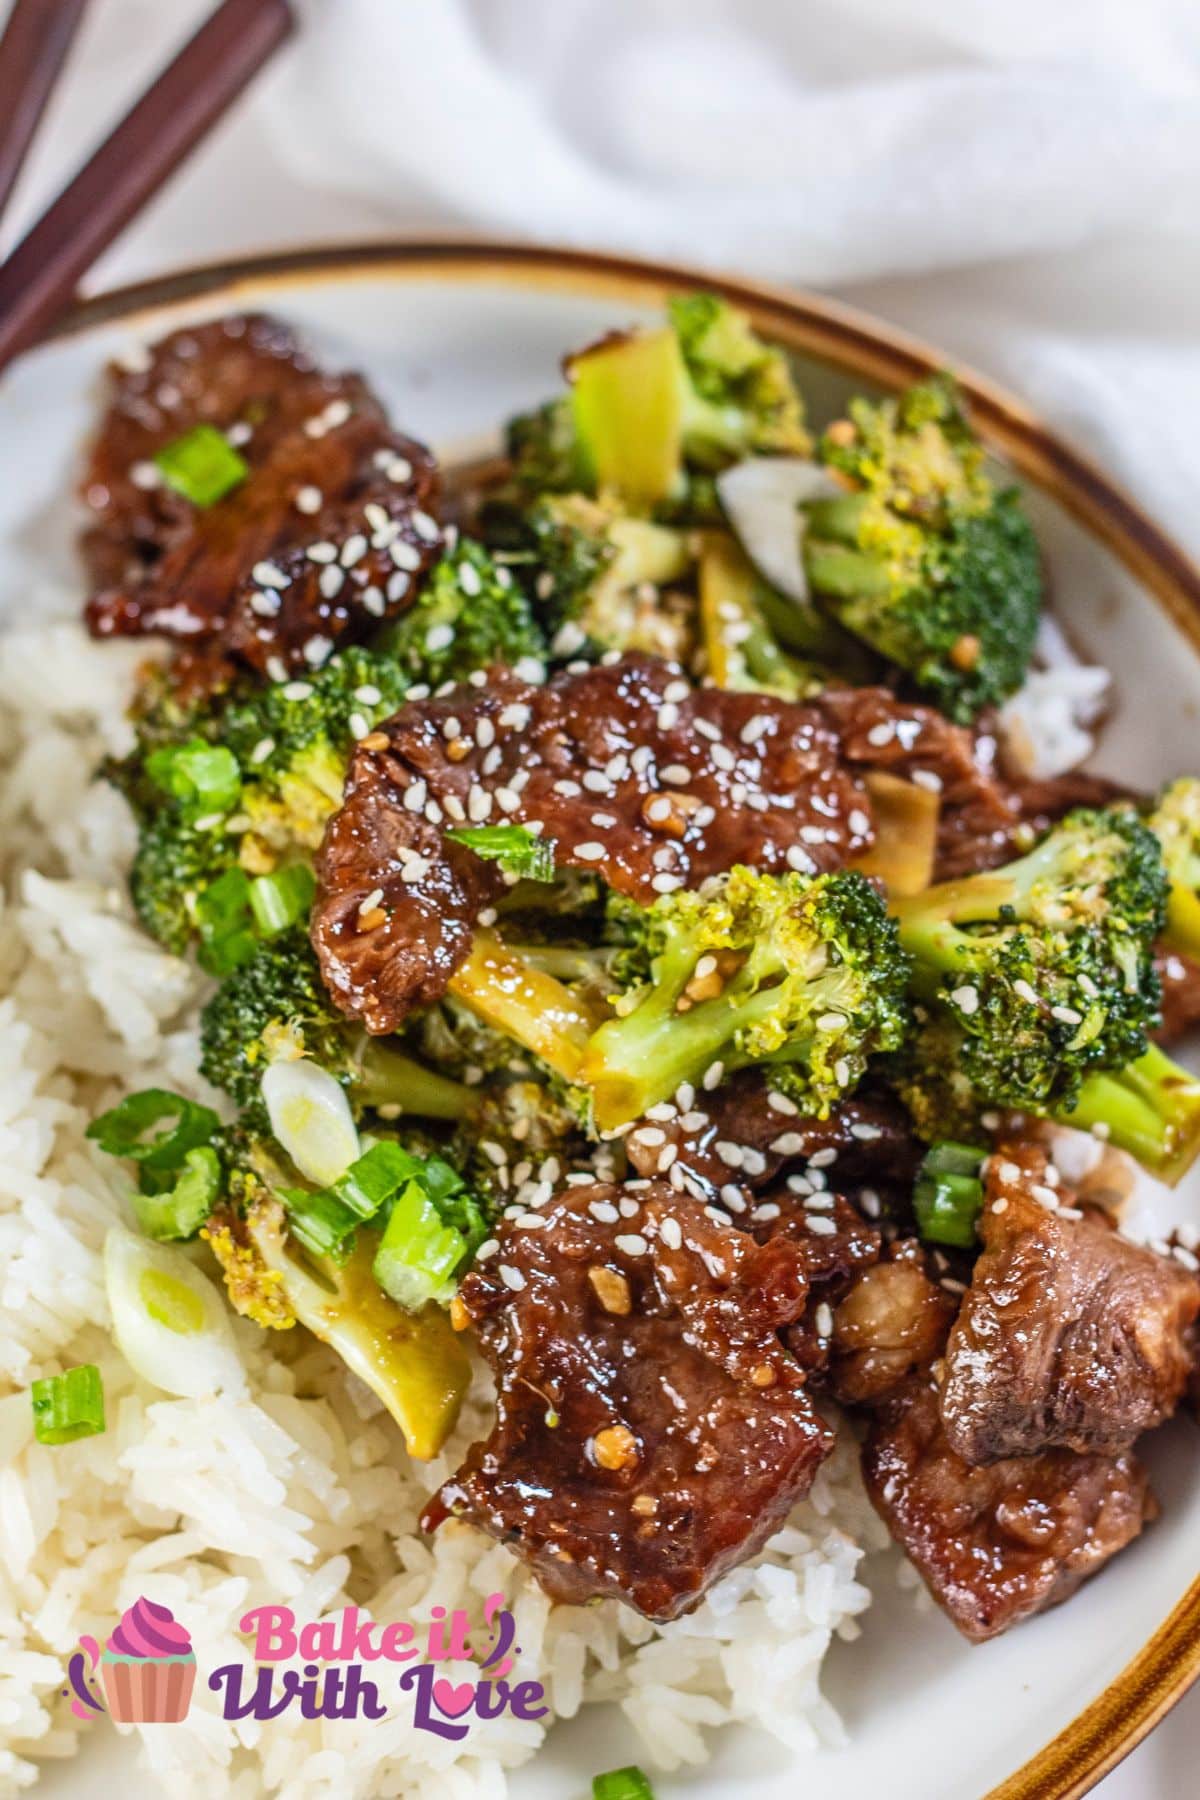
858, 343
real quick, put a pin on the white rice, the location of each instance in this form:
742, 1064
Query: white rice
301, 1493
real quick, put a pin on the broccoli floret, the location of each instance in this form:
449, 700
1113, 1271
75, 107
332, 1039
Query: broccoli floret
924, 559
174, 863
542, 449
275, 1007
470, 613
802, 973
1175, 822
650, 413
520, 1122
1046, 964
594, 575
744, 400
754, 640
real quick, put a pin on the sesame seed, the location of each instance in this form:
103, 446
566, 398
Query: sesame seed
308, 499
733, 1197
755, 728
781, 1104
512, 1278
800, 860
439, 637
858, 822
406, 556
359, 727
667, 1157
262, 750
881, 734
821, 1159
373, 899
824, 1319
414, 796
1067, 1015
322, 552
822, 1227
730, 1154
789, 1144
479, 804
668, 716
666, 884
331, 581
1000, 1205
712, 1076
270, 575
966, 999
631, 1243
1009, 1173
316, 649
819, 1203
628, 1207
675, 775
373, 601
469, 579
671, 1232
1023, 989
865, 1133
297, 690
530, 669
925, 778
427, 528
722, 757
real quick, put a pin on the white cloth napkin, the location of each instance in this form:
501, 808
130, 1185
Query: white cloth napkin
1019, 181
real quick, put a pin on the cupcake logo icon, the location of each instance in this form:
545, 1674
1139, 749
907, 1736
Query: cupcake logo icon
146, 1669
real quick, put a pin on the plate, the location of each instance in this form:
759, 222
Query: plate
457, 336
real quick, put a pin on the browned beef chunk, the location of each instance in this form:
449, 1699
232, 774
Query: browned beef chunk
998, 1544
892, 1321
1180, 978
978, 815
742, 1138
325, 536
651, 1429
634, 775
1069, 1334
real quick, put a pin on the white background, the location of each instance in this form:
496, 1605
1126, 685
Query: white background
1019, 183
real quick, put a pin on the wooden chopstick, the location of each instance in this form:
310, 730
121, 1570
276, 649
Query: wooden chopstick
32, 51
39, 278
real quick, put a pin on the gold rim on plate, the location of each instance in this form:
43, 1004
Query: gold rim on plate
1166, 1666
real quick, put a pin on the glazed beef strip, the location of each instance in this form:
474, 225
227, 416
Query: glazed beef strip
1069, 1335
1000, 1543
651, 1429
732, 1144
636, 776
1180, 978
328, 533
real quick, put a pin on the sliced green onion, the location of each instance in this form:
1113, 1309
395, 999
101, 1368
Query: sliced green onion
180, 1211
168, 1319
280, 899
418, 1255
202, 465
68, 1406
622, 1784
128, 1129
310, 1116
948, 1195
225, 923
517, 850
376, 1176
201, 775
320, 1222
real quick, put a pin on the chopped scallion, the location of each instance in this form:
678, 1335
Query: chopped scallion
320, 1222
202, 776
202, 465
180, 1210
68, 1406
948, 1195
418, 1254
129, 1129
622, 1784
517, 850
280, 899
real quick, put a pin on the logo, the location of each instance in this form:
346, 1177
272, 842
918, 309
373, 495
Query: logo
347, 1664
147, 1669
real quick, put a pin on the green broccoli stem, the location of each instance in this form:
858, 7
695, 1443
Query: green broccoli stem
1150, 1108
840, 573
386, 1077
837, 519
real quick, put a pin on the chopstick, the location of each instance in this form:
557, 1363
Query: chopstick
32, 51
38, 279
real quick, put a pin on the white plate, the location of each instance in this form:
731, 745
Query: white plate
456, 338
